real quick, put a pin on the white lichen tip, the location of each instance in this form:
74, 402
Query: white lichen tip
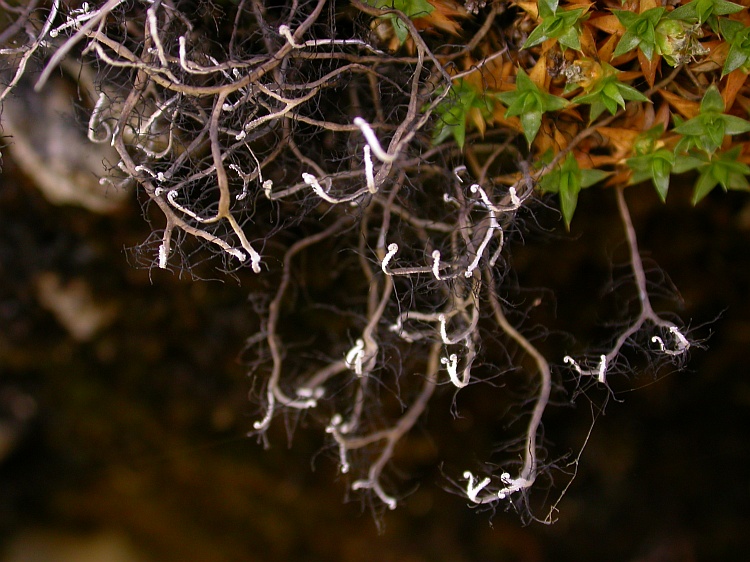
457, 170
267, 186
682, 343
514, 199
372, 140
473, 487
436, 264
375, 487
163, 256
265, 422
305, 392
286, 32
443, 329
354, 357
392, 249
512, 485
600, 372
313, 182
369, 170
451, 364
336, 428
239, 254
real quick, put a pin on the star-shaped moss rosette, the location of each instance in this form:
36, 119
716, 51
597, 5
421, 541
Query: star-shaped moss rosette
652, 161
724, 169
707, 130
737, 36
604, 92
702, 11
640, 31
567, 181
561, 24
464, 105
529, 102
426, 14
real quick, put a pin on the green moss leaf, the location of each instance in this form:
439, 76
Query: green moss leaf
712, 102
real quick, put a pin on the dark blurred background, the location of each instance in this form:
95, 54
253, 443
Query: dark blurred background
123, 395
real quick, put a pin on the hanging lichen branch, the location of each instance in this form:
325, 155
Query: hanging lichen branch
274, 391
92, 20
29, 50
394, 434
528, 473
646, 313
